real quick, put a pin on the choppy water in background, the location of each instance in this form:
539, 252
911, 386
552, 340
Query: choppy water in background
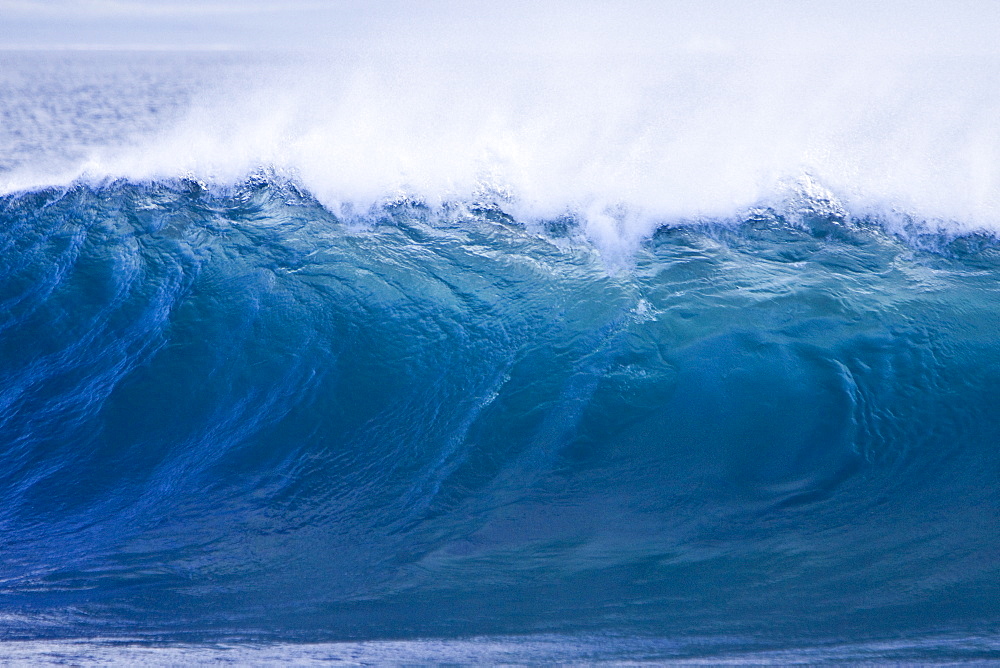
233, 412
59, 107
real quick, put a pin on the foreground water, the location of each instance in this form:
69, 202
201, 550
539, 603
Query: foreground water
239, 422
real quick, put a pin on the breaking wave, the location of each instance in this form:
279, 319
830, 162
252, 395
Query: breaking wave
684, 349
234, 412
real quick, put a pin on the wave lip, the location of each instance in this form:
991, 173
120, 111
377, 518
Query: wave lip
627, 144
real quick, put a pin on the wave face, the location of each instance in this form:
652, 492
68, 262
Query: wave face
411, 356
233, 412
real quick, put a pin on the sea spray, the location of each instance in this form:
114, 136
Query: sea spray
667, 333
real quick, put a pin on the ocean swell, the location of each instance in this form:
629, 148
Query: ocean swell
235, 411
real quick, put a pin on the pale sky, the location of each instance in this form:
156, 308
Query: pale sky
180, 23
914, 25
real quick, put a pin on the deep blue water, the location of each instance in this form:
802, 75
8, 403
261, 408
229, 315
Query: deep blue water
230, 414
260, 419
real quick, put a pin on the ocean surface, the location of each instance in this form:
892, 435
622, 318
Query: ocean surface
375, 360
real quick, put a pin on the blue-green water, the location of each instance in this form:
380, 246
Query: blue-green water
236, 414
234, 420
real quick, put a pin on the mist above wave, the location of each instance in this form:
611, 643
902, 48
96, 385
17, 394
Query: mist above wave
626, 122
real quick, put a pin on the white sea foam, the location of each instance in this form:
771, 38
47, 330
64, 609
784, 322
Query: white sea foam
653, 114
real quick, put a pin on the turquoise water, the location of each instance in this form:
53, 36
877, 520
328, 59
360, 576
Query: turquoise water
233, 414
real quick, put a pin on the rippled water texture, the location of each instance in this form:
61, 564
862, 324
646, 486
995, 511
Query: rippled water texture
237, 414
